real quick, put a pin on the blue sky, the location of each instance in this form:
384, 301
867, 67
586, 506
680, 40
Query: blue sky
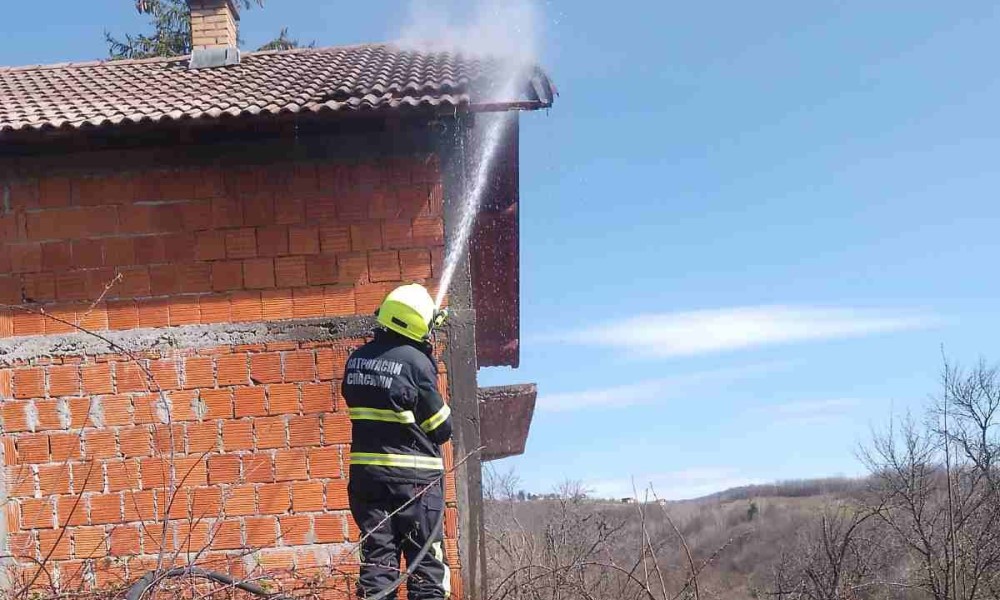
747, 228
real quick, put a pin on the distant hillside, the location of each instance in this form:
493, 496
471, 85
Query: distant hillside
742, 530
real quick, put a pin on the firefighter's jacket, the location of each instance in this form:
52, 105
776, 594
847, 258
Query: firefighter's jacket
398, 417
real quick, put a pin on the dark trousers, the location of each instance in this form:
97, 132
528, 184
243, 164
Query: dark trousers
404, 533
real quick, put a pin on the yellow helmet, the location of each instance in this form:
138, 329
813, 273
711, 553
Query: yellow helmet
409, 310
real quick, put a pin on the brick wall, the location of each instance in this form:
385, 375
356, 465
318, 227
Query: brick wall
241, 446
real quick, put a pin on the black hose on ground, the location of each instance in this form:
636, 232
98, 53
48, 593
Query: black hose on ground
139, 588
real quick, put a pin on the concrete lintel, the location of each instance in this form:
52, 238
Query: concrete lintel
23, 349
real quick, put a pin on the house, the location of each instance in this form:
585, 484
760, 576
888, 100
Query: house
189, 249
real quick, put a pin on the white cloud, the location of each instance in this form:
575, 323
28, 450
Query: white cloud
699, 332
812, 412
676, 485
653, 390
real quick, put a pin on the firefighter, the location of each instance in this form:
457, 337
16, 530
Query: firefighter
399, 422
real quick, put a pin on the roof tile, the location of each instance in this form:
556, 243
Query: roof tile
369, 77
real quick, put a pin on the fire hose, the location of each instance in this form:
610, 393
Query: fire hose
139, 588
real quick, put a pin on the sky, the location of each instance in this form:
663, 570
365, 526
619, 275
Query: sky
748, 230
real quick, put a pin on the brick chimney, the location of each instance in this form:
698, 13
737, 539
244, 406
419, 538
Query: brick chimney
214, 23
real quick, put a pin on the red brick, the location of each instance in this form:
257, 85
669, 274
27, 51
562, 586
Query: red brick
384, 266
117, 252
241, 243
240, 501
20, 481
335, 239
100, 444
324, 463
257, 468
261, 532
283, 399
125, 541
246, 306
105, 509
304, 431
258, 273
54, 479
303, 240
154, 313
56, 256
163, 279
122, 475
299, 366
202, 437
88, 476
227, 275
317, 398
250, 402
138, 506
65, 446
48, 415
272, 241
307, 302
336, 494
179, 247
38, 287
184, 310
37, 514
290, 271
149, 408
336, 428
206, 503
277, 304
191, 471
199, 372
97, 379
64, 381
210, 245
258, 209
135, 442
265, 368
165, 375
54, 544
218, 404
352, 268
290, 465
237, 435
90, 542
322, 269
415, 265
223, 468
123, 314
194, 278
25, 258
270, 432
15, 416
227, 535
329, 529
307, 496
155, 473
70, 510
131, 377
366, 236
296, 530
273, 498
29, 383
215, 309
233, 370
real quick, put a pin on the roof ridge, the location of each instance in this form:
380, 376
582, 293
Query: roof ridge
109, 62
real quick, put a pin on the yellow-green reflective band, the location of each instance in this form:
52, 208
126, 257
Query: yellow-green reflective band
435, 421
406, 461
378, 414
